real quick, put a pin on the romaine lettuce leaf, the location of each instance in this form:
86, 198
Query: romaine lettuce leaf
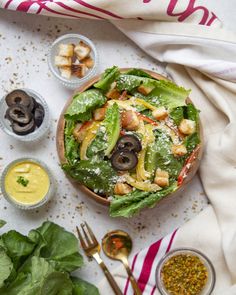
71, 145
2, 223
107, 135
98, 176
138, 72
177, 115
165, 93
109, 76
159, 155
130, 204
84, 103
191, 141
192, 113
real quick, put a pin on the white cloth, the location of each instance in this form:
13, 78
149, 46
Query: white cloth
200, 57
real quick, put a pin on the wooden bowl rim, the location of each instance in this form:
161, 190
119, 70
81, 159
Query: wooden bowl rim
61, 147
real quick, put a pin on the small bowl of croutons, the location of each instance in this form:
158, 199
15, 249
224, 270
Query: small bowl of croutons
73, 59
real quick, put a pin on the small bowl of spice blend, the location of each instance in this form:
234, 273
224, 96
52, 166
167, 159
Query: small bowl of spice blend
185, 271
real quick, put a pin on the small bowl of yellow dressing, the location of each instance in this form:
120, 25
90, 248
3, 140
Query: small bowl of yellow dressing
27, 183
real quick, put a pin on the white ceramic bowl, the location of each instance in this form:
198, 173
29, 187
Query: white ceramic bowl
74, 82
38, 133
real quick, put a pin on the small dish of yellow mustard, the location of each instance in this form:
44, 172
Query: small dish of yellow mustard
27, 183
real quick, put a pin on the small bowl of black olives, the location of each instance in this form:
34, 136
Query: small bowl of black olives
24, 115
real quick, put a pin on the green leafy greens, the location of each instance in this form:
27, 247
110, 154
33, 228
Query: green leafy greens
23, 181
84, 103
40, 263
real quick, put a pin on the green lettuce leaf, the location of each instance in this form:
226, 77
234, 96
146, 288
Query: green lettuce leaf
192, 113
84, 103
2, 223
112, 126
81, 287
59, 246
165, 93
177, 115
98, 176
109, 76
57, 283
191, 142
71, 145
109, 130
132, 203
6, 266
18, 247
138, 72
159, 155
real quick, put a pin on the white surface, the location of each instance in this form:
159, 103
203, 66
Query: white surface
24, 41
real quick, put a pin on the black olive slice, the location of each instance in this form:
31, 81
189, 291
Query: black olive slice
124, 160
23, 129
39, 115
18, 97
18, 114
129, 143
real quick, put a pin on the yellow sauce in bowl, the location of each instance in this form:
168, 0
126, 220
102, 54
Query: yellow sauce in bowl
27, 183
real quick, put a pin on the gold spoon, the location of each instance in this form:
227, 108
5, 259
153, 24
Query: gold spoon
117, 245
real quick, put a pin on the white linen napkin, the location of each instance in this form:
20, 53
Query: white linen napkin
200, 57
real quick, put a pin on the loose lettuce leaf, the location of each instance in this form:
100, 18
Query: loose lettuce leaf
84, 103
6, 266
2, 223
71, 145
98, 176
31, 280
44, 271
81, 287
109, 76
57, 283
59, 246
18, 246
191, 113
130, 204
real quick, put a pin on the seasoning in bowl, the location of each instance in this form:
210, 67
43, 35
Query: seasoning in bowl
74, 59
186, 272
27, 183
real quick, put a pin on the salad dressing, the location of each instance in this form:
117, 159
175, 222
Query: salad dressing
27, 183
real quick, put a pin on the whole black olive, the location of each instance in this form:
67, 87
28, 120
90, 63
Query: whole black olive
23, 129
18, 114
130, 143
39, 115
18, 97
124, 160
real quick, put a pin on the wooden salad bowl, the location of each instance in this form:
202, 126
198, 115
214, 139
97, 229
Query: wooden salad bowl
61, 147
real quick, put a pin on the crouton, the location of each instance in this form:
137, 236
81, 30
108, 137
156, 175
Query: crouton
160, 113
66, 50
82, 50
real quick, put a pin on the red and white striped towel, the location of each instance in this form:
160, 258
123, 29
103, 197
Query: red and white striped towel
201, 55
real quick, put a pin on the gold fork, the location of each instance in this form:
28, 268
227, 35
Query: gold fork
92, 249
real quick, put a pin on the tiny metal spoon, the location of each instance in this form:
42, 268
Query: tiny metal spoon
117, 245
